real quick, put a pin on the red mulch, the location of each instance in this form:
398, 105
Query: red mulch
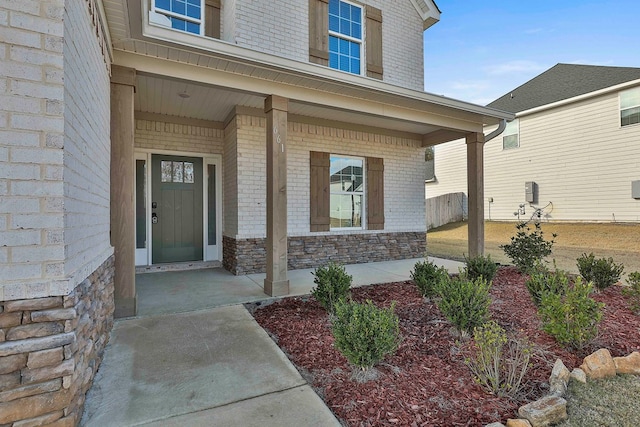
426, 383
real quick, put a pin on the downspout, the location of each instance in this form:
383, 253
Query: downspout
501, 126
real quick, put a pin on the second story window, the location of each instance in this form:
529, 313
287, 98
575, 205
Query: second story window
185, 15
510, 135
345, 36
630, 107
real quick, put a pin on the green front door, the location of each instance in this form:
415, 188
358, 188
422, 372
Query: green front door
176, 208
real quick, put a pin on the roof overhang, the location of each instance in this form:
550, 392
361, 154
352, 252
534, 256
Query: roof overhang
429, 12
159, 51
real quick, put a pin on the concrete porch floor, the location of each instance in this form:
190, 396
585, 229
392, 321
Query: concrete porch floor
181, 291
196, 357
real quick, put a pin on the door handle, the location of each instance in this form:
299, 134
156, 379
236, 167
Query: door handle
154, 218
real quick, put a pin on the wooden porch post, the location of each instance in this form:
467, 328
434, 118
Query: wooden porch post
122, 183
475, 180
276, 283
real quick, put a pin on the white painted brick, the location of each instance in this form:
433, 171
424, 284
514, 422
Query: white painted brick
53, 43
33, 122
20, 138
37, 188
21, 104
4, 18
39, 156
4, 153
37, 222
26, 6
4, 188
19, 171
36, 24
20, 238
20, 70
12, 272
18, 37
37, 90
19, 205
39, 254
4, 254
35, 56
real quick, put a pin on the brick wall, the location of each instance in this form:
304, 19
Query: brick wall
87, 144
230, 180
403, 177
281, 27
178, 137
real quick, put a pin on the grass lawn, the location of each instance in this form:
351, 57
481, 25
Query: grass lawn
619, 241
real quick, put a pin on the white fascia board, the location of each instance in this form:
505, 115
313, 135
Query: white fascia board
233, 53
616, 88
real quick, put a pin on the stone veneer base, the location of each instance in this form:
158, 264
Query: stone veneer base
247, 256
50, 350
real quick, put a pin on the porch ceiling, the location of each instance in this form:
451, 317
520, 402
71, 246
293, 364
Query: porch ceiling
162, 95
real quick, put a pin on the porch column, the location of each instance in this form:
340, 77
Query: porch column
122, 184
475, 183
276, 282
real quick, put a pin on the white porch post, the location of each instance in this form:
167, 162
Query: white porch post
276, 283
475, 183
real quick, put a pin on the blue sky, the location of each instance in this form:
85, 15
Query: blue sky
481, 50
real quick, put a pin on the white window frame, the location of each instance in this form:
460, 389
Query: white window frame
159, 13
513, 128
359, 41
364, 193
627, 108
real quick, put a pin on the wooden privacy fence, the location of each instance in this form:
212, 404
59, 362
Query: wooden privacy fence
447, 208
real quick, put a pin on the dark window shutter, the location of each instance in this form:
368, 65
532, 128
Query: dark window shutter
319, 32
373, 42
375, 193
319, 191
212, 18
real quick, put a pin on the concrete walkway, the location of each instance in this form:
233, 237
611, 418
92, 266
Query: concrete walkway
209, 363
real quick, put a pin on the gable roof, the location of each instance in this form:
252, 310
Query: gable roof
428, 10
563, 81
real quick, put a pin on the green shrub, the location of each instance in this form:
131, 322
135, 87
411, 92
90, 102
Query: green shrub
464, 302
528, 246
332, 284
480, 266
542, 281
602, 272
572, 319
500, 363
364, 333
426, 276
633, 291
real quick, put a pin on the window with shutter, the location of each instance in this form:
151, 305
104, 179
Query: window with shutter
375, 193
319, 31
374, 43
319, 191
212, 18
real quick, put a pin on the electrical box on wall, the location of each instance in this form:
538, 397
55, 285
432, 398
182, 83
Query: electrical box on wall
530, 192
635, 189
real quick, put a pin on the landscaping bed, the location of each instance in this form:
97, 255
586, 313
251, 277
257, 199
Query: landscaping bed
426, 382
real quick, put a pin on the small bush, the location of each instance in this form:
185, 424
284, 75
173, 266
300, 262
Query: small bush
500, 363
332, 284
572, 319
480, 266
542, 281
602, 272
364, 333
633, 291
528, 246
426, 276
464, 302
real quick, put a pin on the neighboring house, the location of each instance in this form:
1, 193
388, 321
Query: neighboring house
140, 133
573, 150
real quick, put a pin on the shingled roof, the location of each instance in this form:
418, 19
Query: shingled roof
563, 81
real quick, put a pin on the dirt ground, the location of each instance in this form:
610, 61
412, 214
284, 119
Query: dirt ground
619, 241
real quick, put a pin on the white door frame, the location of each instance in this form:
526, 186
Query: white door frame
209, 252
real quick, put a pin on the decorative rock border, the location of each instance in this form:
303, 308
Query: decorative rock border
552, 408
